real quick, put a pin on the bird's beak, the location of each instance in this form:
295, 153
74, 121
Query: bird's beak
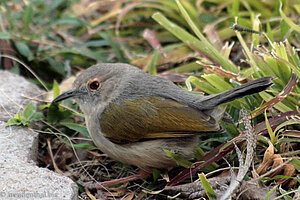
66, 95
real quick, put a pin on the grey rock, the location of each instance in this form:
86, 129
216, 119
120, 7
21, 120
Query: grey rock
20, 177
13, 90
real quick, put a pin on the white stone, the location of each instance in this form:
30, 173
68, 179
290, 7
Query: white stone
20, 177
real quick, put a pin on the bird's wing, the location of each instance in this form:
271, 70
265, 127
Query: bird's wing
152, 118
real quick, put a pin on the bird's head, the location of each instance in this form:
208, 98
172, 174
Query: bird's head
96, 85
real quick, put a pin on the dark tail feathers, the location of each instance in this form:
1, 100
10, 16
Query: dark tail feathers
241, 91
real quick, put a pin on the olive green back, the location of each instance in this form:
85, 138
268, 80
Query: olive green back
151, 118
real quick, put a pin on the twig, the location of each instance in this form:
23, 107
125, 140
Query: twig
27, 67
287, 193
218, 170
53, 160
244, 165
297, 194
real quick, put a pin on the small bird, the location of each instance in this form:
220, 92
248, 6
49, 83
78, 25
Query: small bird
133, 116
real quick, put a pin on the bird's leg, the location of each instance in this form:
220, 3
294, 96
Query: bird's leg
101, 185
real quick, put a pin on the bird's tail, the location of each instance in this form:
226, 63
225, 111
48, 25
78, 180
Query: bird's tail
241, 91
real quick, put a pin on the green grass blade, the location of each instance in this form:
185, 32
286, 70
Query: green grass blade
202, 46
152, 64
77, 127
27, 17
270, 192
270, 131
235, 8
190, 21
288, 20
207, 187
180, 161
255, 27
186, 68
55, 89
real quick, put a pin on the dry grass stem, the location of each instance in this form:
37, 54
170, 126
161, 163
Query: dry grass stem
244, 165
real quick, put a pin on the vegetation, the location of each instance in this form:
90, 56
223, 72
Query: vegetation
187, 41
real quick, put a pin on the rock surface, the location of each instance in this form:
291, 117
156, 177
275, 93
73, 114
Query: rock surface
20, 177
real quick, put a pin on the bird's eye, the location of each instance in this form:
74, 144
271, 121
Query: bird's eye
94, 84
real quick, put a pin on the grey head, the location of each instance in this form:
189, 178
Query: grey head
98, 84
101, 82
